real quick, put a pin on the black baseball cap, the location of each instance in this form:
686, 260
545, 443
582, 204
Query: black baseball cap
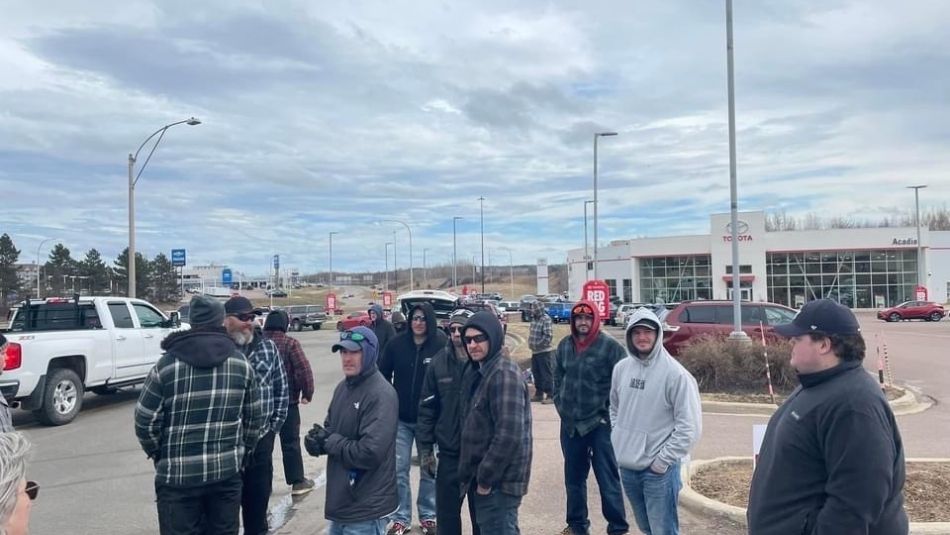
239, 305
821, 315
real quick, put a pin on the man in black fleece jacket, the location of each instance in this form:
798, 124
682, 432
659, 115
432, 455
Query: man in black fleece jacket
832, 461
404, 362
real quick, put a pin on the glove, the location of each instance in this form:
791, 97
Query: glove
428, 463
316, 440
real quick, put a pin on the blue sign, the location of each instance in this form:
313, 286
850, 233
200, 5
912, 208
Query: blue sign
226, 277
276, 261
178, 257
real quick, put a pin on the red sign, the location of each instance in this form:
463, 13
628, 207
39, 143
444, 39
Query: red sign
331, 302
921, 292
387, 299
599, 293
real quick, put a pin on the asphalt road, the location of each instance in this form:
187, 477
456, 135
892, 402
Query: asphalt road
96, 480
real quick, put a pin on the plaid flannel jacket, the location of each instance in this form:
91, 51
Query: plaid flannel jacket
264, 358
195, 423
296, 367
540, 334
582, 382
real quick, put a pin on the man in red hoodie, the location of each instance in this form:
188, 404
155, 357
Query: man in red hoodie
584, 362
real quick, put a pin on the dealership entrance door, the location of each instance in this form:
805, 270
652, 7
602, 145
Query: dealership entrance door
745, 294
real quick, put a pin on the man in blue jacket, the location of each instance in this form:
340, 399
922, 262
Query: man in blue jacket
832, 460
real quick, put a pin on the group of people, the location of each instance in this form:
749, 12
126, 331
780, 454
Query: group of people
832, 459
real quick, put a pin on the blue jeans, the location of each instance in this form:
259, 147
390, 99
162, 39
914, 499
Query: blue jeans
497, 512
367, 527
425, 503
654, 497
580, 453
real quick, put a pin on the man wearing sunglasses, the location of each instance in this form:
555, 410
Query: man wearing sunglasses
584, 362
359, 439
16, 493
199, 414
439, 423
262, 354
404, 362
495, 452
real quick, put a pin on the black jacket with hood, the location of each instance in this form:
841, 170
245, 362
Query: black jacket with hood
404, 363
382, 328
361, 448
439, 421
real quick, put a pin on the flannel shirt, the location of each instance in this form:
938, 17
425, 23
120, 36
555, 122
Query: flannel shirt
264, 358
296, 367
582, 382
6, 420
496, 428
540, 334
197, 424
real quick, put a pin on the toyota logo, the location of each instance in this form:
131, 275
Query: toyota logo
743, 227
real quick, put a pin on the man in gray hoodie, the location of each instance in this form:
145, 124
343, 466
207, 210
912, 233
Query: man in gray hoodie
656, 419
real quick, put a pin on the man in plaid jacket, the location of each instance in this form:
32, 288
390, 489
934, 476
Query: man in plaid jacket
197, 417
262, 354
583, 368
540, 336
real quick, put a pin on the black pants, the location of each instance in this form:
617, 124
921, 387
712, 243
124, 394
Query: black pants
208, 509
542, 368
290, 446
448, 503
258, 476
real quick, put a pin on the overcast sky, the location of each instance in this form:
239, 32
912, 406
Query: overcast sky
325, 116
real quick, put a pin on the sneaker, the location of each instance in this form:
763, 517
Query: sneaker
537, 398
428, 527
302, 487
569, 531
398, 528
548, 401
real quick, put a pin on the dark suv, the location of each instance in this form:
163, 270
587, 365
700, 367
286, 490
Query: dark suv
696, 318
301, 316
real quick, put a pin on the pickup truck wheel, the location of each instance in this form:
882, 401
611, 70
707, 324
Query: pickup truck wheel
315, 326
295, 326
62, 399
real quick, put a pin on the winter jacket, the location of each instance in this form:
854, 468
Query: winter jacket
382, 328
439, 421
655, 410
582, 379
540, 333
200, 409
404, 363
262, 354
832, 460
496, 444
296, 367
361, 447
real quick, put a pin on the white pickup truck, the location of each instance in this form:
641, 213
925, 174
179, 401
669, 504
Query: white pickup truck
59, 348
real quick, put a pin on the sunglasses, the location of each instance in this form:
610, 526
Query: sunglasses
244, 317
350, 335
32, 489
455, 329
419, 319
478, 338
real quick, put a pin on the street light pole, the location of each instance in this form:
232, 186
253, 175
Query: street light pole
920, 263
425, 270
597, 135
133, 181
39, 294
481, 210
586, 250
387, 264
331, 260
395, 269
409, 231
455, 262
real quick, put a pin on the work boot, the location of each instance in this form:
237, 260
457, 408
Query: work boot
301, 487
548, 400
538, 397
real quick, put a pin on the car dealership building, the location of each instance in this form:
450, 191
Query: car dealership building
860, 267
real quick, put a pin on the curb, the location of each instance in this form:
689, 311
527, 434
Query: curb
912, 402
701, 504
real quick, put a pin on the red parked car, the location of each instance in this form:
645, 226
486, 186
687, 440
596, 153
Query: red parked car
913, 310
691, 319
355, 319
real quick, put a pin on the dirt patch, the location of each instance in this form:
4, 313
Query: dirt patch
890, 392
926, 492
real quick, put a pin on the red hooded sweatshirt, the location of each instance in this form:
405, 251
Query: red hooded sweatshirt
581, 343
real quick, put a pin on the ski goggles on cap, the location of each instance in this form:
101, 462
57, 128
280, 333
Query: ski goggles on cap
350, 335
583, 310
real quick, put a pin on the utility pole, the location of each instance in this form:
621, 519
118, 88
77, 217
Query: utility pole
481, 210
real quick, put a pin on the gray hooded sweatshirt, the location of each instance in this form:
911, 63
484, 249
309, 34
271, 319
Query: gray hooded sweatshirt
655, 411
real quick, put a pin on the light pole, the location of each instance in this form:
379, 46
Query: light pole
455, 262
331, 260
920, 263
409, 231
395, 269
425, 270
132, 181
511, 272
737, 332
586, 250
39, 294
481, 211
387, 264
597, 135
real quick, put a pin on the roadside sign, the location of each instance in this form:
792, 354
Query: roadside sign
598, 292
226, 277
276, 261
331, 302
178, 257
387, 299
921, 293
